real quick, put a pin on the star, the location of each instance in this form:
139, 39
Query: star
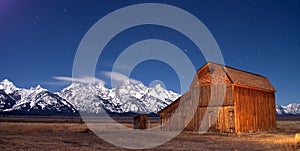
36, 19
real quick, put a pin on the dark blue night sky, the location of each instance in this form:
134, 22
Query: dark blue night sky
39, 39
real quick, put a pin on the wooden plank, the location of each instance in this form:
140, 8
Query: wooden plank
254, 110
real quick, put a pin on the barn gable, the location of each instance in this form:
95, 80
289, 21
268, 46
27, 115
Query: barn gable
210, 73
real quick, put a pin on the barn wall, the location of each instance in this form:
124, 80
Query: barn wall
219, 114
254, 110
212, 95
218, 119
183, 109
202, 97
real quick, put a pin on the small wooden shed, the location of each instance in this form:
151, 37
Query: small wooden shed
247, 103
140, 121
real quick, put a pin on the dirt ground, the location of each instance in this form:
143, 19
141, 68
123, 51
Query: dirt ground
76, 136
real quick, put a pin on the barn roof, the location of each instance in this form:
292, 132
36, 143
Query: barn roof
247, 79
243, 78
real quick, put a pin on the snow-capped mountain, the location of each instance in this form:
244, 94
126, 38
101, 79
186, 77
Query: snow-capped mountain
7, 101
8, 87
9, 94
290, 109
85, 98
127, 98
35, 100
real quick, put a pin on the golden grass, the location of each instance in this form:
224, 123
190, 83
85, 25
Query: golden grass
41, 127
57, 127
285, 135
283, 138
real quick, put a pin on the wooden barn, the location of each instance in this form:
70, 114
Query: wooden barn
225, 100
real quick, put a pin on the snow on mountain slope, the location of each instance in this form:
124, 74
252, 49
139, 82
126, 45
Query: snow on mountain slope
157, 98
8, 94
35, 100
7, 100
43, 103
126, 98
290, 109
85, 98
8, 87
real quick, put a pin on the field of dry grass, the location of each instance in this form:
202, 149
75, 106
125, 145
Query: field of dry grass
76, 136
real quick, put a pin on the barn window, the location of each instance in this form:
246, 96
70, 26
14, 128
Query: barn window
211, 70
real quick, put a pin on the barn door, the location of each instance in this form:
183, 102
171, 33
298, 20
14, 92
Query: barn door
212, 119
231, 121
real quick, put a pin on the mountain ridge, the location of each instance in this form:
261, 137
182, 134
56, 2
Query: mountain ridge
84, 98
288, 110
32, 101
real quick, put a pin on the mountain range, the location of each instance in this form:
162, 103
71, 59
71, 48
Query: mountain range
290, 109
94, 99
33, 101
84, 98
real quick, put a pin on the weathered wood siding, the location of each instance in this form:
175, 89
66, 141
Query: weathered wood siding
216, 101
254, 110
205, 98
211, 95
225, 122
218, 119
210, 74
178, 114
